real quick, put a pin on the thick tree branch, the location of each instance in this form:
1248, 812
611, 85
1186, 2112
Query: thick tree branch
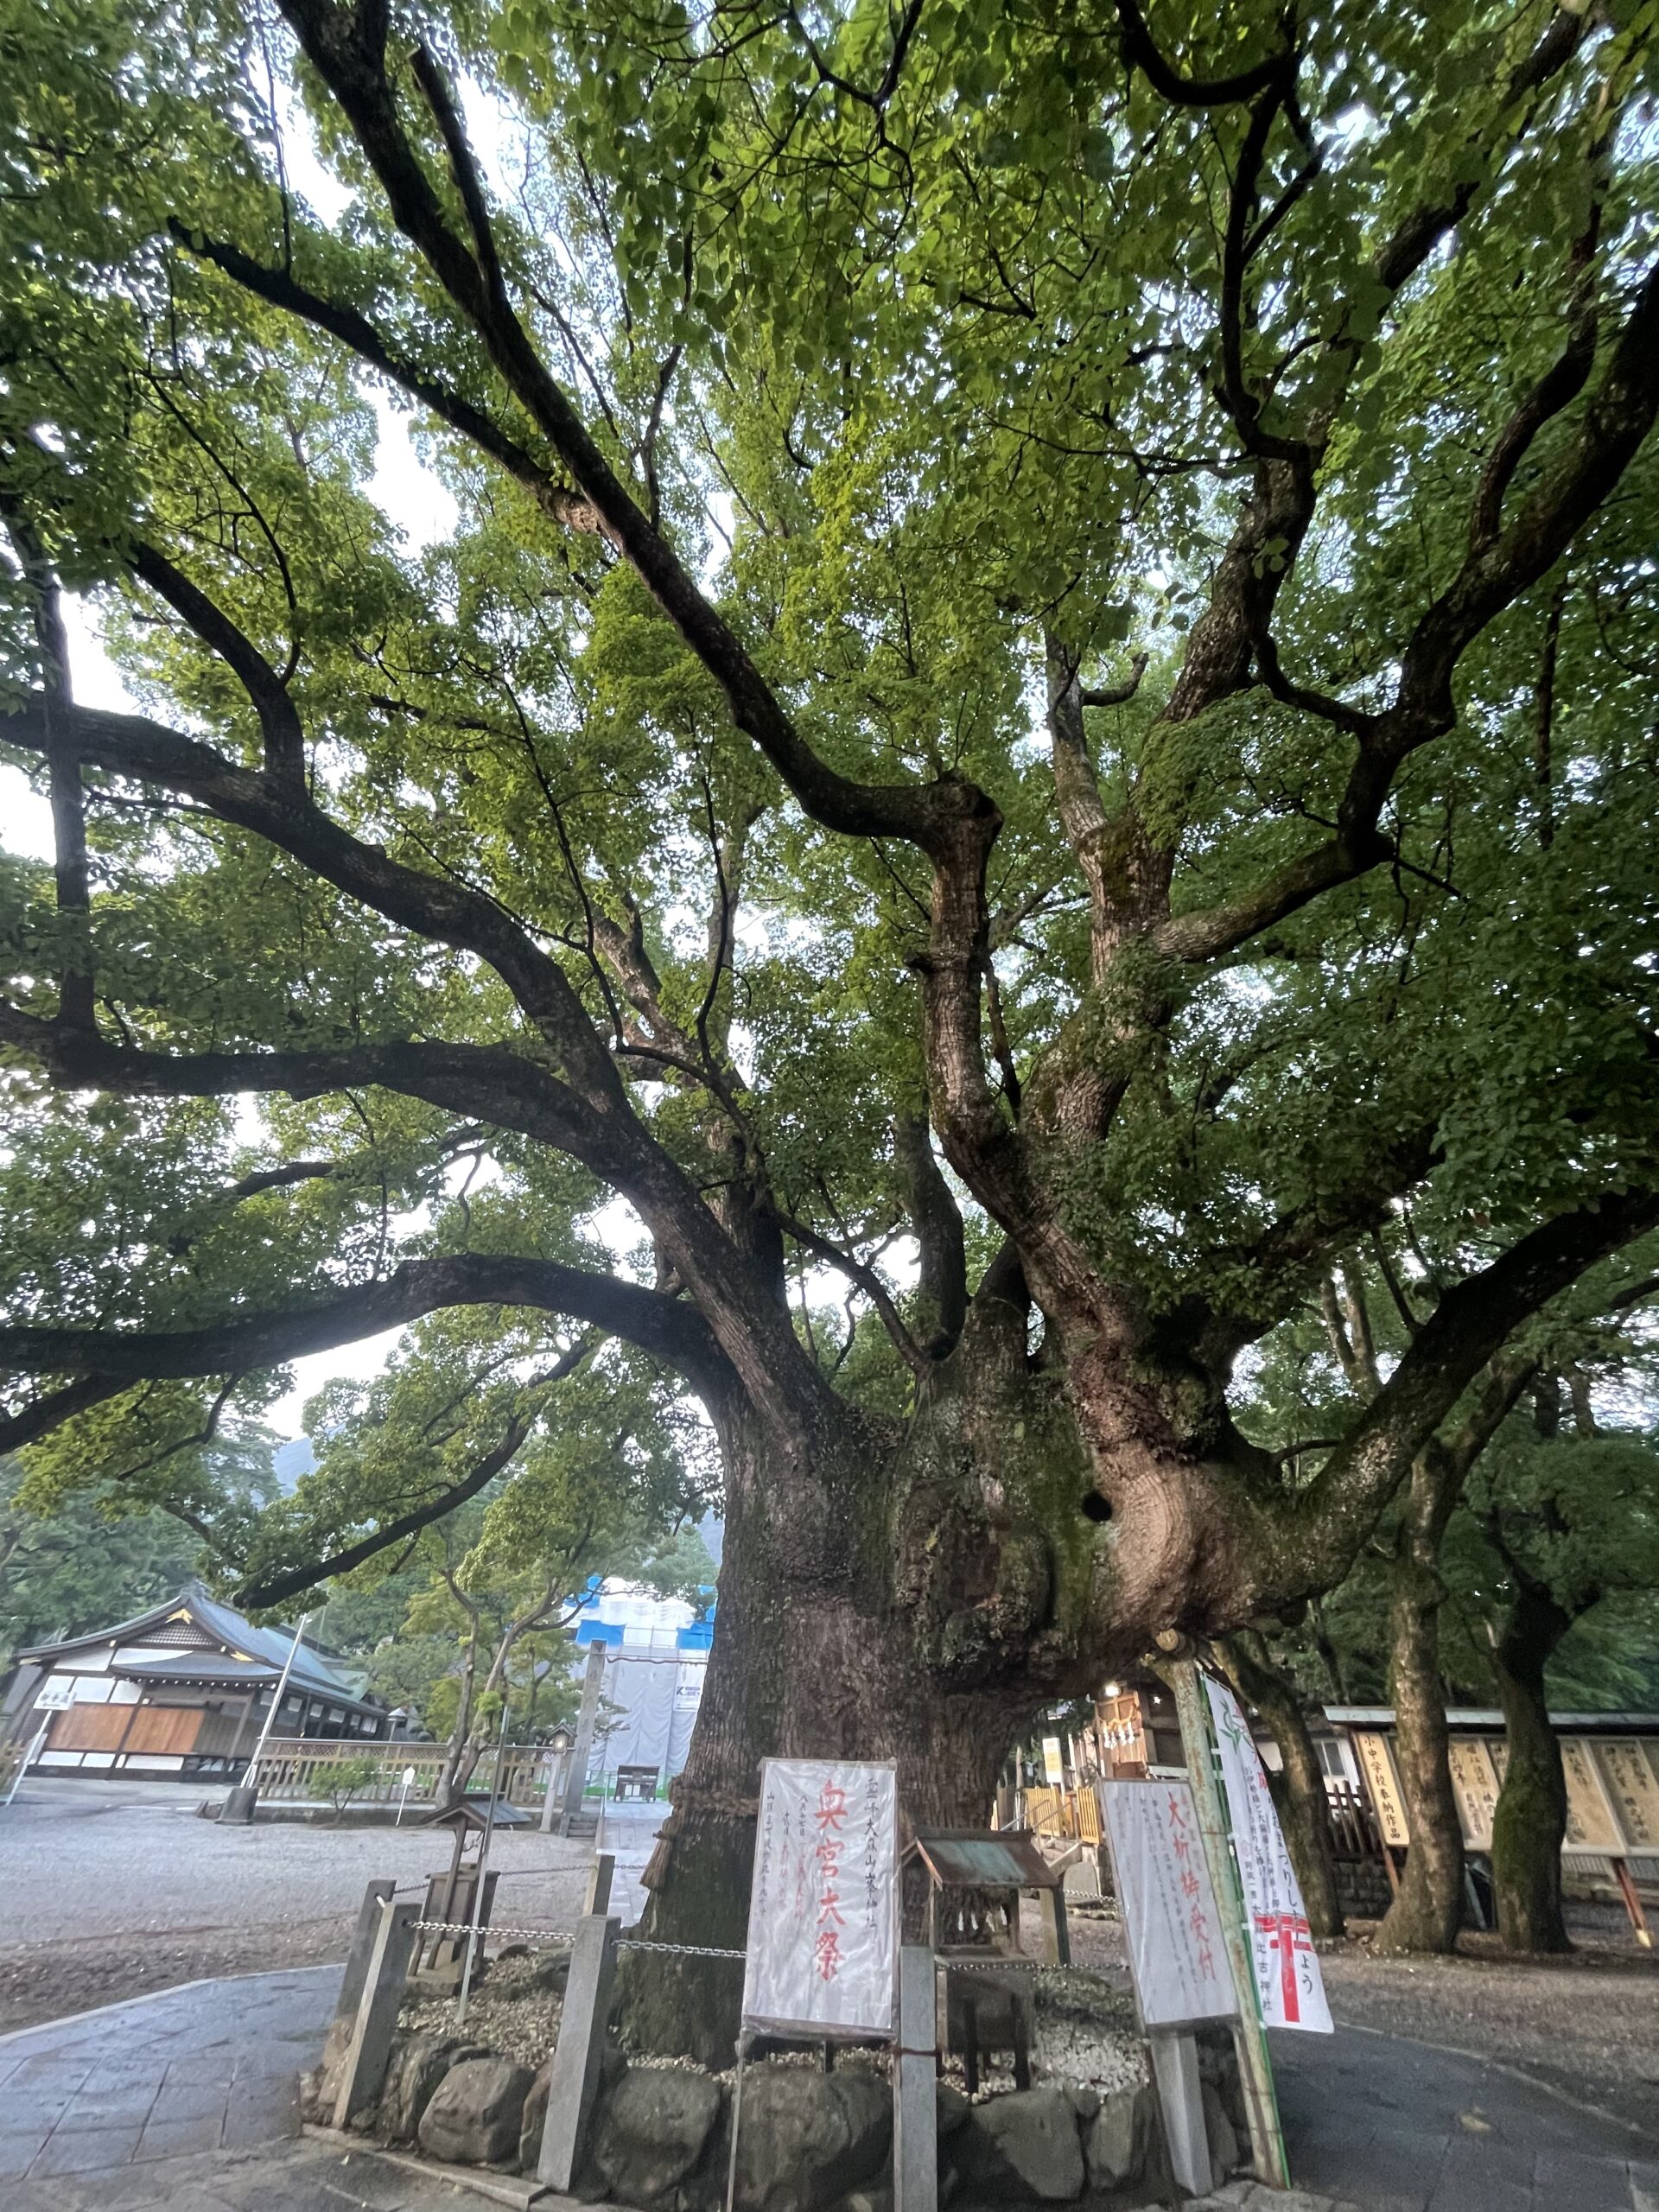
613, 1140
665, 1327
275, 1588
356, 331
67, 800
1141, 50
1116, 695
941, 1287
42, 1414
1618, 418
347, 50
1234, 630
1320, 1530
870, 1282
488, 1082
279, 720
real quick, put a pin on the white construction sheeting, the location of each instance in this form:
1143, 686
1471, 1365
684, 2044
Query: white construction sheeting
651, 1700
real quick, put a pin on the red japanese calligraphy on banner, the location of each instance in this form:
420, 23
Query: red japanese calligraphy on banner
1177, 1954
1287, 1967
822, 1940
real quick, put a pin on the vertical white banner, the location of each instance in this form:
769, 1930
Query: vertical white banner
1287, 1967
823, 1906
1177, 1954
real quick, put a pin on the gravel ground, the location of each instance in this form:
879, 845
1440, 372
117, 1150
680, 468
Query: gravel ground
111, 1890
1588, 2024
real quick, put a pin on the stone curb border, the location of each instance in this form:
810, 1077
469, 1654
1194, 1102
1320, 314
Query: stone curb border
173, 1989
521, 2192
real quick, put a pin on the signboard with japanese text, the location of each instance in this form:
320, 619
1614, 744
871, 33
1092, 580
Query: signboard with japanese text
1632, 1784
1590, 1823
1177, 1954
55, 1694
1287, 1967
1053, 1764
1377, 1764
823, 1906
1475, 1785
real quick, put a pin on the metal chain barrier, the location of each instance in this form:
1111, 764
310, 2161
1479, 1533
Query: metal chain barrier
1008, 1966
554, 1938
684, 1950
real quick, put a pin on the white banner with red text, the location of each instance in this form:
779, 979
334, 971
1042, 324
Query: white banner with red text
1288, 1979
1177, 1953
823, 1906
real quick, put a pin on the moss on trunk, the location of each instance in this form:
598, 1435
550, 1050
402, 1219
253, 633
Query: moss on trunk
1530, 1822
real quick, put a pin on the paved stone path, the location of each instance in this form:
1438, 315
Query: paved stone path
185, 2102
628, 1832
1397, 2127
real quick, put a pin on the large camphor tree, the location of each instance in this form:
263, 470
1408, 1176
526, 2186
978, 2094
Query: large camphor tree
1038, 703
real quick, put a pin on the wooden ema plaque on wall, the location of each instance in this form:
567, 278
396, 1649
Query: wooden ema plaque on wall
1474, 1783
1590, 1822
1627, 1772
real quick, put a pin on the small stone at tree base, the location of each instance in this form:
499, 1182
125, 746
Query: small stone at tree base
535, 2119
475, 2115
654, 2131
1224, 2141
953, 2110
1023, 2146
809, 2138
1115, 2141
417, 2065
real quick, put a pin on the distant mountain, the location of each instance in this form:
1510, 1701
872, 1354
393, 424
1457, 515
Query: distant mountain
293, 1460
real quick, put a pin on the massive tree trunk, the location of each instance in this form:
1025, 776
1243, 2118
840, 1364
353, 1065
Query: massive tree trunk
882, 1595
1427, 1910
1298, 1792
1530, 1821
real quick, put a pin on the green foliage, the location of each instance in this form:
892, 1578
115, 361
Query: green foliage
911, 377
343, 1779
75, 1557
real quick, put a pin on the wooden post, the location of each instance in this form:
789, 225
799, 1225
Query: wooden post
1255, 2064
586, 1720
1633, 1904
553, 1797
598, 1899
572, 2079
1180, 2094
355, 1977
1057, 1936
915, 2094
363, 2069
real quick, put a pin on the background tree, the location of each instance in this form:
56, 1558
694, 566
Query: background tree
1012, 597
1514, 1528
75, 1555
1555, 1525
515, 1487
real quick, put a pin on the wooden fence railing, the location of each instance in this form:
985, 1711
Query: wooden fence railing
1074, 1813
293, 1769
1355, 1835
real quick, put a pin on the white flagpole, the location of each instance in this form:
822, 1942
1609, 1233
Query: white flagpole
277, 1699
